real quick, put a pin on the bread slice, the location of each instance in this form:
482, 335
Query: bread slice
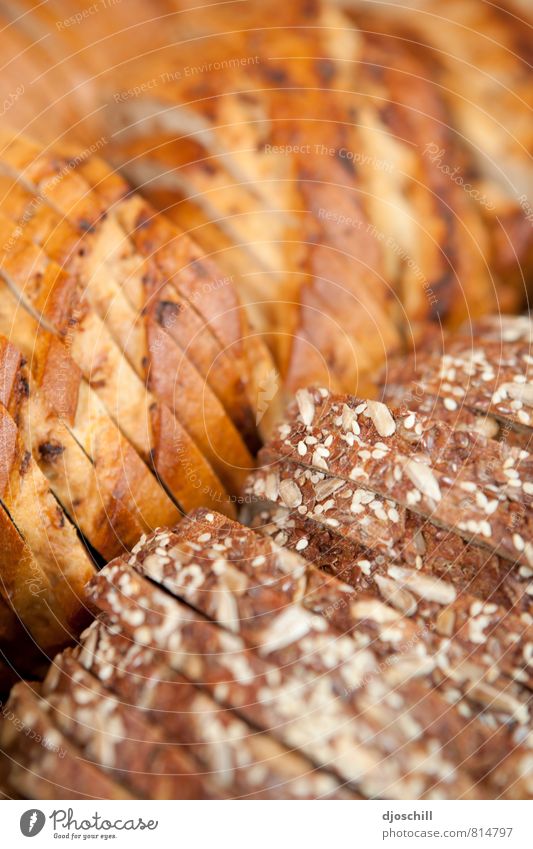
482, 376
124, 286
491, 122
254, 571
40, 581
419, 463
309, 718
264, 639
251, 763
224, 153
42, 763
118, 739
83, 206
377, 530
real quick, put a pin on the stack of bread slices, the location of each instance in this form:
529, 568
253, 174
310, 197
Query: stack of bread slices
369, 636
128, 386
360, 170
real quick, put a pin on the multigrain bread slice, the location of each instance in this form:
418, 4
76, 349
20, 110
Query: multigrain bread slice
456, 479
40, 762
254, 573
298, 708
374, 530
250, 763
203, 572
484, 376
277, 650
452, 625
256, 634
117, 737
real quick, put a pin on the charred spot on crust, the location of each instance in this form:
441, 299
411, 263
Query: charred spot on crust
208, 167
443, 291
347, 164
25, 463
143, 220
24, 387
247, 97
310, 9
376, 71
275, 75
199, 267
50, 451
325, 69
86, 225
166, 312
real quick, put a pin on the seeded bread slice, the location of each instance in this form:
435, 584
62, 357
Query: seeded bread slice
458, 480
245, 585
489, 378
240, 759
375, 528
298, 711
118, 739
40, 763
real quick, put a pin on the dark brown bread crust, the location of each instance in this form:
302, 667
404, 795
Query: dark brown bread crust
40, 763
238, 758
458, 480
488, 377
369, 526
117, 737
285, 656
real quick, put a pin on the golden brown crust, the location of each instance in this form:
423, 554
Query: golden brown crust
25, 494
103, 366
95, 473
100, 359
221, 367
25, 584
